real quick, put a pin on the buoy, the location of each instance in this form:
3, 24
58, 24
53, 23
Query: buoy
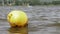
17, 18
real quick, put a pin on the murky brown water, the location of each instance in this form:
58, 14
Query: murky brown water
42, 20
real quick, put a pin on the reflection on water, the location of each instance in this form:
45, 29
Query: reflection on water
6, 29
42, 20
23, 30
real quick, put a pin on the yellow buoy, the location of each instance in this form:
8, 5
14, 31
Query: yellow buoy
17, 18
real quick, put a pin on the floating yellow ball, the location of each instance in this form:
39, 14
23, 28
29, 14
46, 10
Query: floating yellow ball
17, 18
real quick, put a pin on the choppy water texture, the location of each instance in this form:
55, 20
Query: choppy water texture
42, 20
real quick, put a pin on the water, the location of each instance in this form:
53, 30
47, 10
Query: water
42, 20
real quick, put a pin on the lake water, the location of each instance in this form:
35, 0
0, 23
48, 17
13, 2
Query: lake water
42, 20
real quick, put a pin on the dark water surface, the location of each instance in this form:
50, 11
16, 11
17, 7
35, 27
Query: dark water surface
42, 20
